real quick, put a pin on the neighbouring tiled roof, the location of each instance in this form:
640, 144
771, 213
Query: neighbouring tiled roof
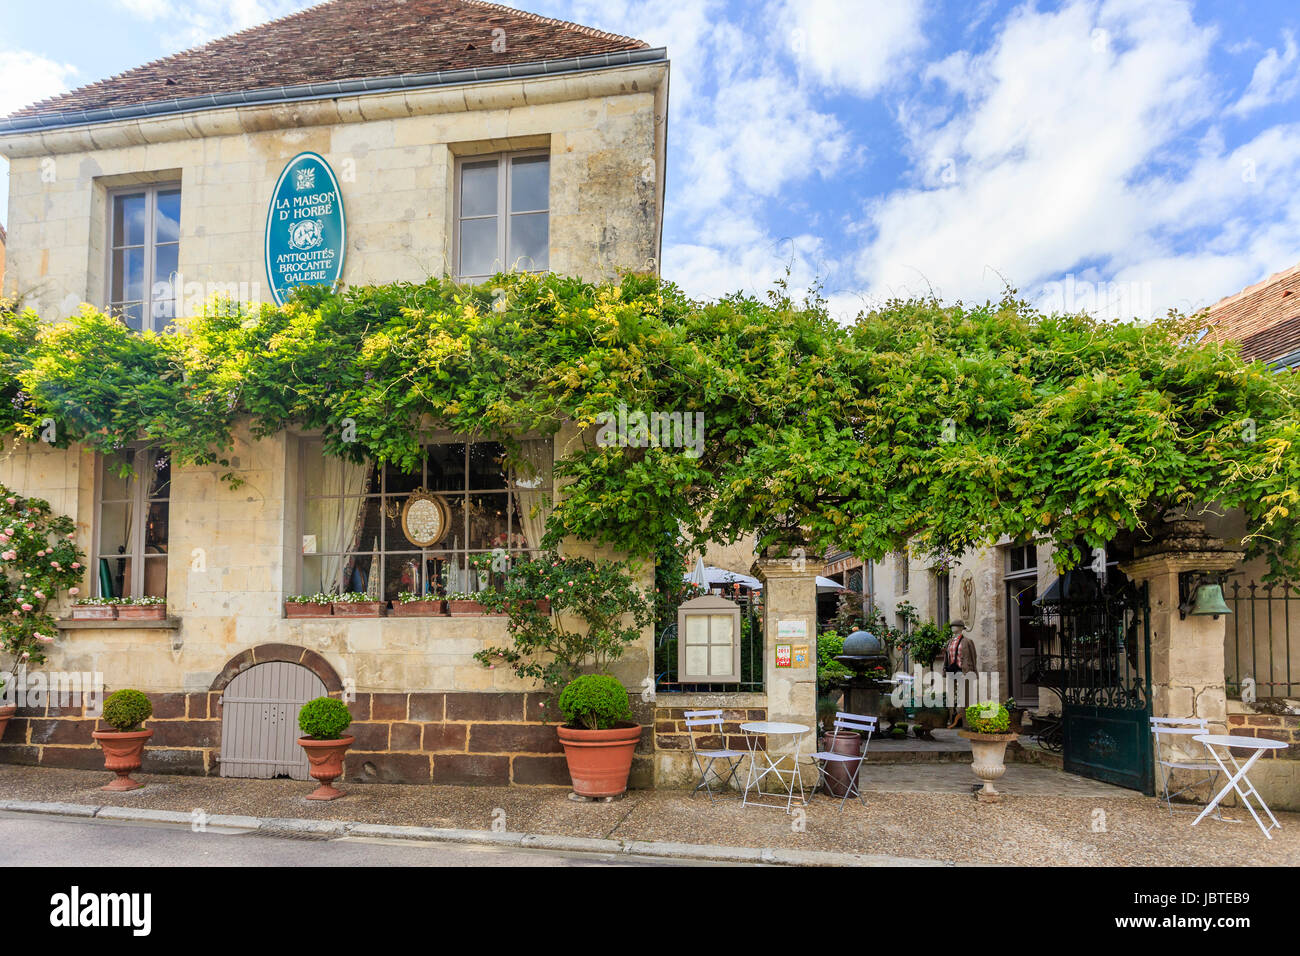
1279, 343
344, 40
1256, 310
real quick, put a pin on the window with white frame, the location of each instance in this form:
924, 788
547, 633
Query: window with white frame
132, 503
358, 535
503, 214
144, 232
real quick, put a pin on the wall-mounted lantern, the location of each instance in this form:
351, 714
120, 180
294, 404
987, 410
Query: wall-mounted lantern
708, 641
1201, 595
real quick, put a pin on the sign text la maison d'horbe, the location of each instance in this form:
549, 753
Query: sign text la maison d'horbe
306, 231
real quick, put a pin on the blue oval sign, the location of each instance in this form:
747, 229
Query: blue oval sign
306, 231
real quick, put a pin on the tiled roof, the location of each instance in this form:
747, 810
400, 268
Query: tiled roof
1279, 343
1247, 315
343, 40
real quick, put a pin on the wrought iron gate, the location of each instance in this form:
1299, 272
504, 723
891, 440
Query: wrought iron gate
1095, 652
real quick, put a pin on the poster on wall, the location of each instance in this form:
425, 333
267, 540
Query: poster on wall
306, 231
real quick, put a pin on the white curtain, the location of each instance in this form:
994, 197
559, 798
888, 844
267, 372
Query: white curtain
532, 489
339, 516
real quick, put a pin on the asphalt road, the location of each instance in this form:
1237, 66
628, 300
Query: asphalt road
33, 840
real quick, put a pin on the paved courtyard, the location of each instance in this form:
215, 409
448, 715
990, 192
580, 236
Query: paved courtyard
925, 811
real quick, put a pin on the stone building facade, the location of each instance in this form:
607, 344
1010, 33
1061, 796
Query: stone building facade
400, 106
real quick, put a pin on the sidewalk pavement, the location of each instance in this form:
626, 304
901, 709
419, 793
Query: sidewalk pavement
896, 827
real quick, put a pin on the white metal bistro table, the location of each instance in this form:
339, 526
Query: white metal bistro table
1226, 742
753, 795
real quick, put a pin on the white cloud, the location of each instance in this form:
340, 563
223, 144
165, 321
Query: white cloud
1276, 79
1064, 153
842, 45
27, 77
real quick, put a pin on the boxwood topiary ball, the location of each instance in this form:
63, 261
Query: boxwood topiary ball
126, 710
324, 718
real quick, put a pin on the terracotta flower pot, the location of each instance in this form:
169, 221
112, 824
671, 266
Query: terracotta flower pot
989, 752
5, 714
307, 610
93, 612
326, 759
358, 608
122, 753
599, 760
141, 612
419, 609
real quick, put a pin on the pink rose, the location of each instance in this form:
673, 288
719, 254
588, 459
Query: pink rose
45, 638
55, 565
76, 565
74, 591
27, 607
26, 654
9, 531
11, 501
40, 595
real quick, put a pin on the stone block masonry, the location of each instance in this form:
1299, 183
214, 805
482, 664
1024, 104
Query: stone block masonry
455, 738
1285, 728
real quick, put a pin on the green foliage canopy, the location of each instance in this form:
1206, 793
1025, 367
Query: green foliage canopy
945, 425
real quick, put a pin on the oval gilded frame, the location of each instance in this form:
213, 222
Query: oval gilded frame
417, 518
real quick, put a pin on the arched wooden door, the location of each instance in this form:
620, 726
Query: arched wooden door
259, 721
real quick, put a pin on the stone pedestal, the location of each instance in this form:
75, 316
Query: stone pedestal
790, 605
1187, 662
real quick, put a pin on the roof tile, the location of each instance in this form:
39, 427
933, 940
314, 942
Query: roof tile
344, 40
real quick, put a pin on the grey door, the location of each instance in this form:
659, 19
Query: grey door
259, 721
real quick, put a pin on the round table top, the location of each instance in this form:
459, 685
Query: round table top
1250, 743
772, 727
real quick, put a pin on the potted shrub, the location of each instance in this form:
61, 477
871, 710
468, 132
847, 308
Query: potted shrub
308, 605
409, 604
93, 609
125, 711
141, 609
598, 735
988, 728
323, 722
357, 604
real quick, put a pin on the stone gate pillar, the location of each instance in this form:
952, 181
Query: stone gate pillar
1187, 662
790, 618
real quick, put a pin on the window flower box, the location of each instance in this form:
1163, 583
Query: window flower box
308, 605
466, 605
93, 612
408, 605
146, 609
357, 604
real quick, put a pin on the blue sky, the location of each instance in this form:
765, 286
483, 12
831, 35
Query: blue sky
1123, 156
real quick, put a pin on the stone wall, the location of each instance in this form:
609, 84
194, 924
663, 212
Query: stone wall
674, 766
481, 739
1276, 775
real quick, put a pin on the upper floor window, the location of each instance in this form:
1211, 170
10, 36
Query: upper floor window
503, 214
361, 532
132, 503
144, 250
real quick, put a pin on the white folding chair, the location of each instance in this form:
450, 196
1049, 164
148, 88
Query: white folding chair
1174, 727
825, 759
705, 759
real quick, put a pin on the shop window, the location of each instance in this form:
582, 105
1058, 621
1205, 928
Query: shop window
382, 531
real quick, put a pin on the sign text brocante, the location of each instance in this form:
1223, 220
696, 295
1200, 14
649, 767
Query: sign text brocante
306, 231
